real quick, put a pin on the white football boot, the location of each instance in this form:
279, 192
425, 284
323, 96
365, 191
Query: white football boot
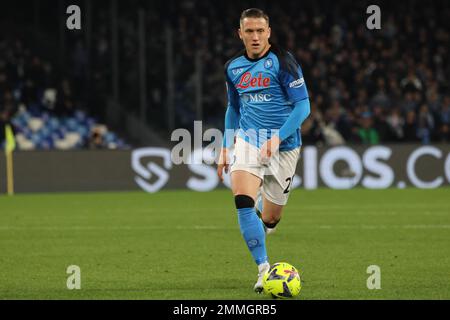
262, 269
270, 230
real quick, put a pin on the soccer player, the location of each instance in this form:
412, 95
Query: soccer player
267, 103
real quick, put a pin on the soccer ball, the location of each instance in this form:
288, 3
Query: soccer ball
282, 281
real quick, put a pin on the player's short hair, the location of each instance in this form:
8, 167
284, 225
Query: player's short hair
253, 13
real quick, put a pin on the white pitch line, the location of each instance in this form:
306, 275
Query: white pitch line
57, 228
376, 227
212, 227
371, 207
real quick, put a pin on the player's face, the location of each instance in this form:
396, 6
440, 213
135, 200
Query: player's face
255, 34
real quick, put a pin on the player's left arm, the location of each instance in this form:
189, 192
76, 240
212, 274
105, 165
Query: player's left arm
299, 114
292, 81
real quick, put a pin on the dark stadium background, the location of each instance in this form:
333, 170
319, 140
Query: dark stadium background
171, 73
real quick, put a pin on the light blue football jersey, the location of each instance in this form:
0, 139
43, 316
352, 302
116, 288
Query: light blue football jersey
263, 91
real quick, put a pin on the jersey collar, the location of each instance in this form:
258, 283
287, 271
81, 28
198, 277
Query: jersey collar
257, 59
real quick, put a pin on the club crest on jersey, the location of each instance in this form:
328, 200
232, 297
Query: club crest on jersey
247, 80
268, 63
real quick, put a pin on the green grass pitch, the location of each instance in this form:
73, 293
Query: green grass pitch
186, 245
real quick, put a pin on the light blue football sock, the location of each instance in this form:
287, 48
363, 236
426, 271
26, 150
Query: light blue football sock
253, 232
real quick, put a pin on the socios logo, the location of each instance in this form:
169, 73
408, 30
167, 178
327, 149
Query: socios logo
376, 167
237, 71
151, 170
256, 97
268, 63
152, 177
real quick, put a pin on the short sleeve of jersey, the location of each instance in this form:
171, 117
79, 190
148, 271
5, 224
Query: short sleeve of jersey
291, 78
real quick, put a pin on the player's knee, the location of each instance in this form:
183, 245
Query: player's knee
271, 222
243, 201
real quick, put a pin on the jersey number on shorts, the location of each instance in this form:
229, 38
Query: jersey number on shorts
289, 181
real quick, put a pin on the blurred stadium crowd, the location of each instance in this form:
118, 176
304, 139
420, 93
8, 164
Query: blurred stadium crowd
42, 105
366, 86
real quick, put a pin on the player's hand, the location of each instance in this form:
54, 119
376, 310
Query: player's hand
269, 148
223, 163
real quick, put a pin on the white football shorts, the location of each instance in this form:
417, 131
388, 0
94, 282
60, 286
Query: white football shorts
276, 176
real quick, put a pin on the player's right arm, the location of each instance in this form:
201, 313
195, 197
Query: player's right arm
232, 117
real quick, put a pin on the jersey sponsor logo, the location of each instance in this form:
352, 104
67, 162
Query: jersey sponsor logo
257, 97
297, 83
237, 71
247, 80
